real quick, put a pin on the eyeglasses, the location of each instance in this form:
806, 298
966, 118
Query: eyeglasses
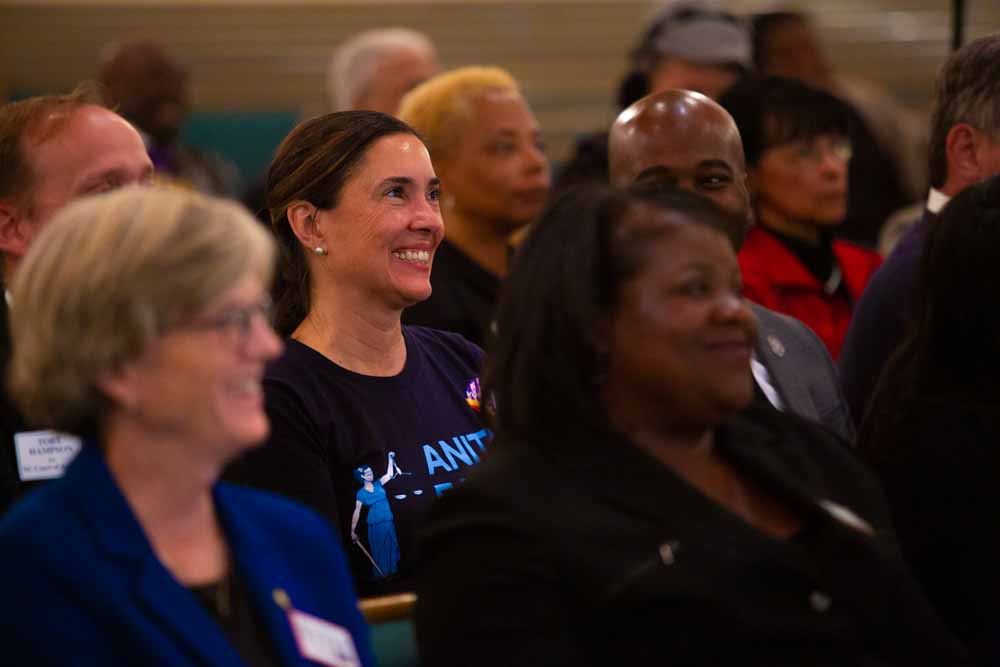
813, 152
236, 324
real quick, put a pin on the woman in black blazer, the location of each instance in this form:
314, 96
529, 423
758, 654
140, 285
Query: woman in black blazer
626, 514
932, 428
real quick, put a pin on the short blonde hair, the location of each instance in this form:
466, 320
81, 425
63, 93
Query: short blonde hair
434, 107
109, 273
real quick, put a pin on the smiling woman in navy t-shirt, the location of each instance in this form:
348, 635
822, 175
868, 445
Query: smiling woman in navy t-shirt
358, 400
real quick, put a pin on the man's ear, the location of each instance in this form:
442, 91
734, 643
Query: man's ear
16, 230
302, 219
962, 145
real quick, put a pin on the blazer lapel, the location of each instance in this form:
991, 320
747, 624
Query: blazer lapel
119, 534
180, 614
780, 362
652, 485
788, 476
265, 573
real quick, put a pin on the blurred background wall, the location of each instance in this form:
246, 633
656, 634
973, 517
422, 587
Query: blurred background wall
260, 64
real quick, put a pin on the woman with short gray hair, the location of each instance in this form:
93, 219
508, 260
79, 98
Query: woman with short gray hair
140, 318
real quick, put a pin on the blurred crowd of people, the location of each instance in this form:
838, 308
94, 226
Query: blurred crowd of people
712, 390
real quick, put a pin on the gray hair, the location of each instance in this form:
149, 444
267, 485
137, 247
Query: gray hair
109, 273
354, 62
967, 91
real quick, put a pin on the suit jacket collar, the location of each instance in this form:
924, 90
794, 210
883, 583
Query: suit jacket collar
786, 377
119, 534
264, 569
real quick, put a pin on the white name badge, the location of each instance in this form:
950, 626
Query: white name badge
322, 641
44, 454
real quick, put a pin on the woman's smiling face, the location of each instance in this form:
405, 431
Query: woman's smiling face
681, 335
202, 381
382, 234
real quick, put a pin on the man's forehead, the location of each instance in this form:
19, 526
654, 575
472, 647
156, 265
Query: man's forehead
703, 127
678, 127
92, 141
686, 151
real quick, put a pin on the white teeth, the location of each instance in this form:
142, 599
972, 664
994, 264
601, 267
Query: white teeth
422, 256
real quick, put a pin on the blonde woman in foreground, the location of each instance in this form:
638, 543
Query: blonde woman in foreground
141, 319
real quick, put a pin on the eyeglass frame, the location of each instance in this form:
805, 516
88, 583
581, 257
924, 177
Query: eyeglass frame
236, 324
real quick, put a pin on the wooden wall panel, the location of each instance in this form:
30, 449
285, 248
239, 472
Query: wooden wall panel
272, 55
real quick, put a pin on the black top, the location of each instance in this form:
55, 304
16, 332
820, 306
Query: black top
818, 258
589, 163
11, 422
600, 555
9, 419
463, 299
938, 464
230, 603
327, 421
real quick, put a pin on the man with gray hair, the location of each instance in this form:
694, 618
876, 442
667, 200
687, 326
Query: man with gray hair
374, 69
964, 150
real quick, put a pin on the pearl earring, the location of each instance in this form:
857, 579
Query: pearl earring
319, 250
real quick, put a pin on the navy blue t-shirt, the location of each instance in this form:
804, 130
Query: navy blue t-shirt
330, 425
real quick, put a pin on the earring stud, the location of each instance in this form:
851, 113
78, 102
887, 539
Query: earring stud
319, 250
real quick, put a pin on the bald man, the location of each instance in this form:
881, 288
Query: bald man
682, 138
53, 149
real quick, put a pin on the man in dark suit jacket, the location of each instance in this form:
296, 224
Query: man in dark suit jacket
685, 139
964, 150
56, 148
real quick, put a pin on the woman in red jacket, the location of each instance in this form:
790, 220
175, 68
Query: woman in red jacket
797, 150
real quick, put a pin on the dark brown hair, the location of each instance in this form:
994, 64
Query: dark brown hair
544, 362
312, 164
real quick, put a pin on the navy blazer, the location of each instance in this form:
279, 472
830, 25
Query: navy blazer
81, 584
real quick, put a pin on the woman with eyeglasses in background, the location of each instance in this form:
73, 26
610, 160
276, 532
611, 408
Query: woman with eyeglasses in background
141, 319
797, 146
